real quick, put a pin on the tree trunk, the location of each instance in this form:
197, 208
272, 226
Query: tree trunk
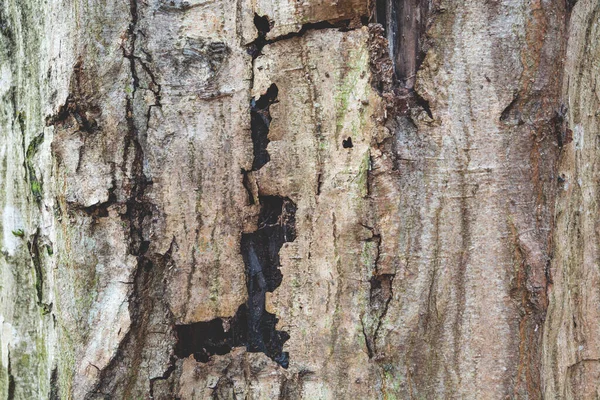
319, 200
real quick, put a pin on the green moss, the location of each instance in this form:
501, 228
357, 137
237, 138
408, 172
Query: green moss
34, 182
34, 146
392, 381
367, 254
18, 233
36, 189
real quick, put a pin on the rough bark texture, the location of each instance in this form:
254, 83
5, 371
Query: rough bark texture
259, 199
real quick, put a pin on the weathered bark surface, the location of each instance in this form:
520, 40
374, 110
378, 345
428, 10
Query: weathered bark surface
238, 199
571, 334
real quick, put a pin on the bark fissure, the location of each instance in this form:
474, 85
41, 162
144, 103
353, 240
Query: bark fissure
260, 121
404, 23
35, 183
260, 249
397, 49
11, 380
54, 387
147, 288
34, 251
264, 24
252, 326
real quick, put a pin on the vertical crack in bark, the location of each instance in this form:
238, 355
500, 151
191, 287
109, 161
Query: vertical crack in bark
260, 119
165, 376
260, 249
252, 326
404, 23
380, 296
35, 184
11, 380
397, 51
145, 300
54, 388
35, 259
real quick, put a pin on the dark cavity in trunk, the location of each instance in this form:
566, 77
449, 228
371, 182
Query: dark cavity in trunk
405, 22
252, 326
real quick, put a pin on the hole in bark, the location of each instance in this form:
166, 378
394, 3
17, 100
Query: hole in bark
262, 23
260, 250
218, 336
347, 143
405, 23
263, 26
381, 289
260, 119
252, 326
421, 102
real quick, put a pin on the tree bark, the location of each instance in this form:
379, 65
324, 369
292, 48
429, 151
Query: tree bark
320, 200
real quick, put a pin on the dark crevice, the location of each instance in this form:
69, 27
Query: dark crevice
248, 186
255, 48
381, 289
165, 376
421, 102
380, 296
347, 143
100, 210
263, 26
77, 105
11, 380
54, 389
564, 135
570, 4
260, 119
368, 341
260, 250
404, 23
35, 184
512, 112
319, 183
252, 326
34, 251
81, 113
398, 47
314, 26
215, 337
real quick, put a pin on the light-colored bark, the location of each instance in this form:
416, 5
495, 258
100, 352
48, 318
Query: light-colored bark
447, 252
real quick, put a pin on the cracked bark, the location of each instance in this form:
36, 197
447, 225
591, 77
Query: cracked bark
257, 199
